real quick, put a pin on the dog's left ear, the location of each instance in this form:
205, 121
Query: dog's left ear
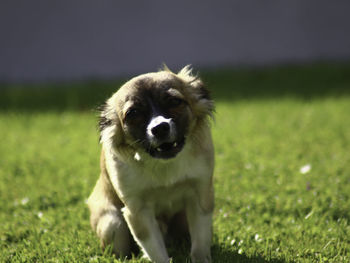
202, 104
109, 125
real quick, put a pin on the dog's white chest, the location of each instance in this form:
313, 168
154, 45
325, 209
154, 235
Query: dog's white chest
164, 187
169, 199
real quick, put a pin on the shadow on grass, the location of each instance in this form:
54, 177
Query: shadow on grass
304, 82
181, 248
73, 96
221, 254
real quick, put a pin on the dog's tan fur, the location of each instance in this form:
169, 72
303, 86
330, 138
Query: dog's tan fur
137, 195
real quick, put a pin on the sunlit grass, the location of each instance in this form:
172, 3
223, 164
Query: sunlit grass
282, 179
282, 174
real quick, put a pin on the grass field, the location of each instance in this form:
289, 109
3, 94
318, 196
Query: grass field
282, 177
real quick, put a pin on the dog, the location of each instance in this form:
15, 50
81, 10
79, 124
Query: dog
157, 163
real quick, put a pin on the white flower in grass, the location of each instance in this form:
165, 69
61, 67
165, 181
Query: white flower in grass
40, 214
240, 251
248, 166
25, 201
305, 169
233, 241
257, 238
93, 259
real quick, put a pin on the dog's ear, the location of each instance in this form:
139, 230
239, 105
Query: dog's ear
109, 125
103, 122
203, 105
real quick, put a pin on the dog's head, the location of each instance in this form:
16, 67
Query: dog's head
155, 113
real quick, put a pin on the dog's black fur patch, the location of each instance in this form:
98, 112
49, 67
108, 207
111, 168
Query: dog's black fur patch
205, 94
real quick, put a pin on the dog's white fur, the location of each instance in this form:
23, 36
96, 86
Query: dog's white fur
135, 188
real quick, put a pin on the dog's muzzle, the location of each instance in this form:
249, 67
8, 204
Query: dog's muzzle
163, 138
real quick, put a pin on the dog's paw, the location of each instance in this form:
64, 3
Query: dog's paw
113, 230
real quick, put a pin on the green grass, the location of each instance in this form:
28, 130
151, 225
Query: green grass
269, 124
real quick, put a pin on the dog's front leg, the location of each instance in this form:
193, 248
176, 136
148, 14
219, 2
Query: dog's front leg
199, 216
145, 229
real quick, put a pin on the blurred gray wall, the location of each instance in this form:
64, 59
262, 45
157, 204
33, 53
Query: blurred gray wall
43, 40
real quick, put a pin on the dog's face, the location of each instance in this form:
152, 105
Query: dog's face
156, 116
156, 112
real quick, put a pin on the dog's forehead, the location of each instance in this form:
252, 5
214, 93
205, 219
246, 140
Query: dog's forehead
155, 82
151, 85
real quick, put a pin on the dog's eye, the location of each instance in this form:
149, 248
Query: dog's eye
175, 102
132, 113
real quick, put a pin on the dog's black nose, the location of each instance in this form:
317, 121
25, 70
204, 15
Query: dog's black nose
161, 130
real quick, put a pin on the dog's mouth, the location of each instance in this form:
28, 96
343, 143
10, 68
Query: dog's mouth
167, 150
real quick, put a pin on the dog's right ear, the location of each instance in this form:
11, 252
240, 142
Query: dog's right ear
111, 132
202, 105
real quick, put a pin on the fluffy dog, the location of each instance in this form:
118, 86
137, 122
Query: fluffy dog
157, 163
